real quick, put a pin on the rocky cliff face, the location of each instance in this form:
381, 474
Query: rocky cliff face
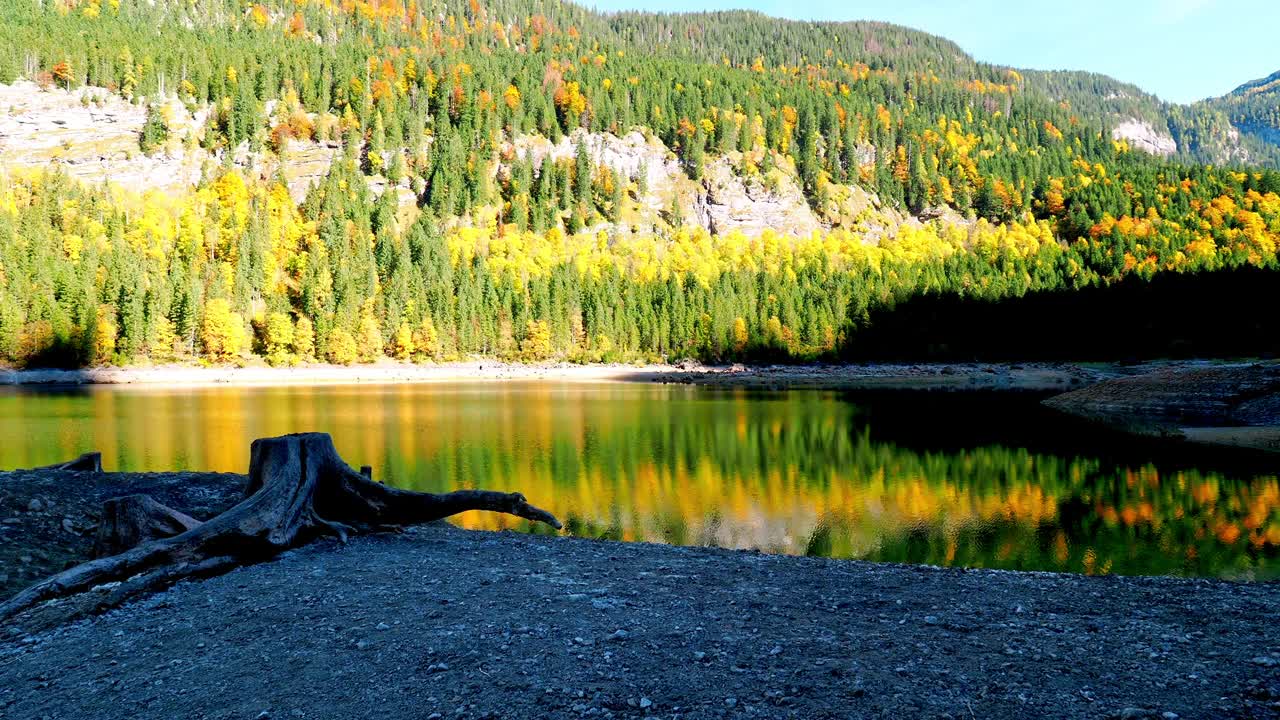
1142, 135
90, 134
728, 202
93, 135
631, 156
726, 199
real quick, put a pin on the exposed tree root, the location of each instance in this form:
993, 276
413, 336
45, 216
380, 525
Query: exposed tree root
129, 521
88, 462
299, 489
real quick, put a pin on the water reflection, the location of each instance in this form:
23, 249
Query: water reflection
970, 481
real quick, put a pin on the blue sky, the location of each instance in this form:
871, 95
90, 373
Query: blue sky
1182, 50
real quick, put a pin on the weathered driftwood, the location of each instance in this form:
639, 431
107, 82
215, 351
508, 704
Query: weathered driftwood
299, 489
129, 521
88, 462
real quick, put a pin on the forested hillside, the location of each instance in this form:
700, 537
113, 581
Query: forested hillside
534, 180
1254, 108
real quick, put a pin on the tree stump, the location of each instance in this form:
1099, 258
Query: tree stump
132, 520
299, 489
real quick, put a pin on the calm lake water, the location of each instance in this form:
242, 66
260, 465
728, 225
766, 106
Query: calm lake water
980, 481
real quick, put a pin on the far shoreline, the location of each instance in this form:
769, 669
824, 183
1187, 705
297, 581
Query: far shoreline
1027, 377
1034, 377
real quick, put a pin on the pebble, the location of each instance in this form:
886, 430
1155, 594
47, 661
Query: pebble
731, 701
930, 619
35, 505
383, 626
1132, 713
361, 644
645, 703
1265, 661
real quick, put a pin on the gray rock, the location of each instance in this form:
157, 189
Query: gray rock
35, 505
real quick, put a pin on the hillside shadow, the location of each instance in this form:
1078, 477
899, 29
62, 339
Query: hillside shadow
1174, 315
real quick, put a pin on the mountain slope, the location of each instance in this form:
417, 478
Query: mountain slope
1202, 132
1254, 108
528, 178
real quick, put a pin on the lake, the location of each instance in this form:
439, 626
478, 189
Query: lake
971, 480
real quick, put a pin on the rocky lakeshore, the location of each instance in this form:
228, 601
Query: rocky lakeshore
1232, 404
1040, 377
48, 518
446, 623
440, 622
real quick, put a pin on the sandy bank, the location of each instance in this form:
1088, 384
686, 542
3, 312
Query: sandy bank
442, 622
972, 376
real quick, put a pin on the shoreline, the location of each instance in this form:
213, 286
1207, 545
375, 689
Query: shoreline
1038, 377
478, 624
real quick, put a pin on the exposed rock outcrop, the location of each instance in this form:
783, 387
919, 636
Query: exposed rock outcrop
91, 134
1143, 136
725, 199
633, 156
751, 205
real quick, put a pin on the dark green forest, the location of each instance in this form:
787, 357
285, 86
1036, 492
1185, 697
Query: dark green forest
1018, 184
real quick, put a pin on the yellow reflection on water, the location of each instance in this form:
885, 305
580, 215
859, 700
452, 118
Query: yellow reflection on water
799, 472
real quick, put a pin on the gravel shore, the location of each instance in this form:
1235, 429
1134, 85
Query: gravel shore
953, 376
48, 519
447, 623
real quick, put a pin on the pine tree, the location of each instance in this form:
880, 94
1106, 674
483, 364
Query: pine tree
155, 131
